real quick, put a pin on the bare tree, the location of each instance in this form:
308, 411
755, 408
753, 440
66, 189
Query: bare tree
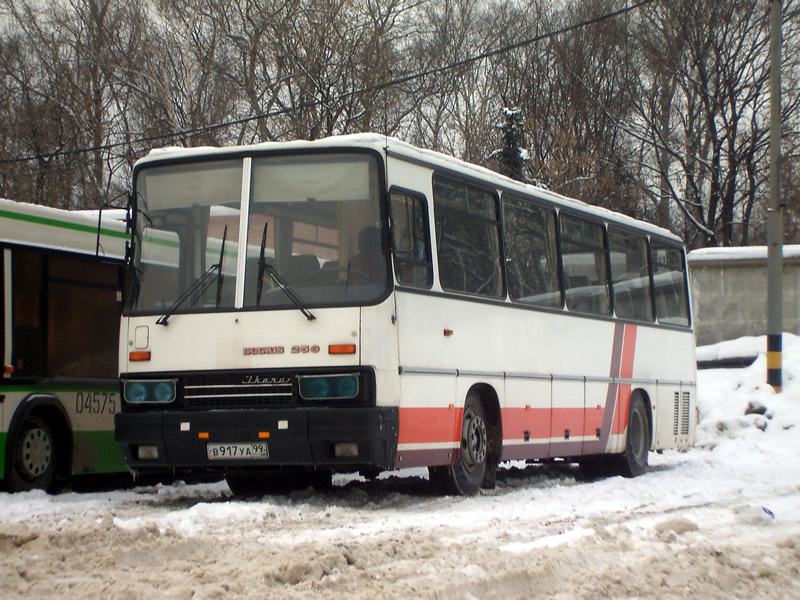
701, 112
70, 52
660, 113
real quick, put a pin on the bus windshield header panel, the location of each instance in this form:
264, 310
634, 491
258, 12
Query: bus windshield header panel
268, 231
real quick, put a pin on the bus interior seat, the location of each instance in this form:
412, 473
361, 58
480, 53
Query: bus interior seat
301, 269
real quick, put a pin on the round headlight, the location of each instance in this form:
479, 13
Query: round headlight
319, 388
346, 387
316, 387
164, 392
135, 392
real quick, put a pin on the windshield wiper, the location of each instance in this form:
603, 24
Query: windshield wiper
220, 274
261, 263
264, 266
200, 286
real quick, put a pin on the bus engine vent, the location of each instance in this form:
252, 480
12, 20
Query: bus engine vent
685, 404
236, 391
677, 414
680, 423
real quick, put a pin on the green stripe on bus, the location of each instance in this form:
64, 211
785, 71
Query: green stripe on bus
62, 224
58, 388
156, 241
96, 452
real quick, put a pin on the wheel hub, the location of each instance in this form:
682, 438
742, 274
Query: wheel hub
474, 440
37, 452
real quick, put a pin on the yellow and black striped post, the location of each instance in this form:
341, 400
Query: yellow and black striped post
774, 372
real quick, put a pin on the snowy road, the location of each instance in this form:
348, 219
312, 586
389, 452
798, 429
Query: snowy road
719, 521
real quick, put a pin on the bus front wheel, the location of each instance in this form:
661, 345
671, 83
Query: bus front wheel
466, 475
32, 456
633, 462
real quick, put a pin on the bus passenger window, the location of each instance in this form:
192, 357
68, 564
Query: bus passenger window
76, 347
583, 252
467, 238
411, 248
28, 335
669, 277
630, 275
531, 253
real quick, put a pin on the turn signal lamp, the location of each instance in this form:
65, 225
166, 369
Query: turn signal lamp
139, 356
342, 349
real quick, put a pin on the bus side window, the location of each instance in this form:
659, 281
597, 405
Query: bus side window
76, 346
28, 339
467, 237
669, 277
410, 241
6, 364
584, 254
630, 275
531, 253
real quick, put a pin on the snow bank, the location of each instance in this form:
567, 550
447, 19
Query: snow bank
737, 404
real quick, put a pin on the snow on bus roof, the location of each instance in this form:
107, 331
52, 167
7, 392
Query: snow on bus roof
399, 148
59, 229
743, 253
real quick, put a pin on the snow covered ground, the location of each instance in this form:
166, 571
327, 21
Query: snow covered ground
719, 521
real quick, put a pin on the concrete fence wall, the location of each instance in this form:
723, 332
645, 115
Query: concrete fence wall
729, 292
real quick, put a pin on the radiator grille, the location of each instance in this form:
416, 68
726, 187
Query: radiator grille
237, 391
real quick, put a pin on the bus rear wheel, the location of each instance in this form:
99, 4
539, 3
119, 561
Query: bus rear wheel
465, 477
32, 456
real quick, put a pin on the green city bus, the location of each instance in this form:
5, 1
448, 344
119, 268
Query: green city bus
61, 300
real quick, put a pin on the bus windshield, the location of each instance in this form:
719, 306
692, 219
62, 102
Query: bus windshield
288, 231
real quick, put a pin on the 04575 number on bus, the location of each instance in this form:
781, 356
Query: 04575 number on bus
95, 403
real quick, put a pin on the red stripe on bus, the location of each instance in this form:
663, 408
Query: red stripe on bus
431, 425
428, 425
536, 421
628, 351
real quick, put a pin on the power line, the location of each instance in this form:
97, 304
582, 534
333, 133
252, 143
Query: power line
343, 96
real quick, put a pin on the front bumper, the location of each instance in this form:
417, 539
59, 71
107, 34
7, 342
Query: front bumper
296, 437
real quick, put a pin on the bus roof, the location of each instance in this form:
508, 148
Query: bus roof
395, 148
62, 230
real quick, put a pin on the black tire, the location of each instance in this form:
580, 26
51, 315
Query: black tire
32, 456
464, 478
244, 486
594, 467
633, 462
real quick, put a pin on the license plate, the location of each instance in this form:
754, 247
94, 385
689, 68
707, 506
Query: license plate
253, 450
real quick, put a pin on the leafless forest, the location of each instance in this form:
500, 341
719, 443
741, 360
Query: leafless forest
655, 108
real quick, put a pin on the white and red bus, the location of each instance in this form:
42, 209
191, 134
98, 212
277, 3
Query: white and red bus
61, 281
356, 303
